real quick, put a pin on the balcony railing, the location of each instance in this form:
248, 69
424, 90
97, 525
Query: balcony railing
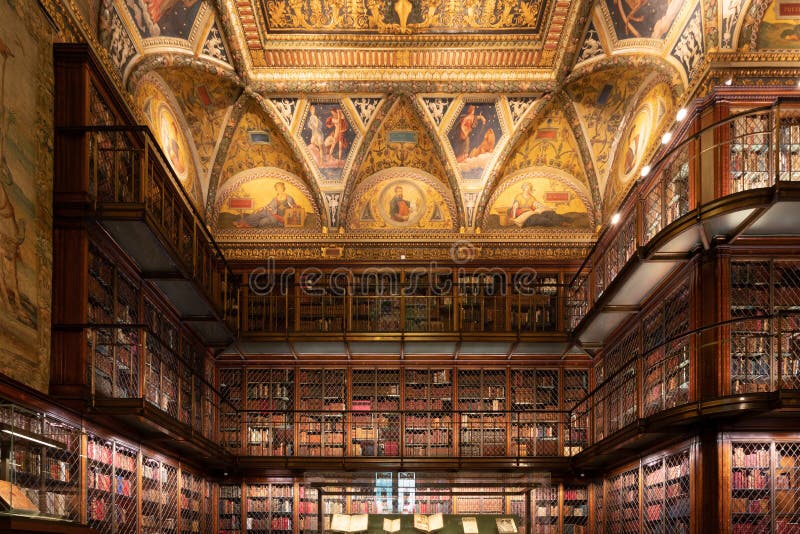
762, 354
754, 149
293, 310
399, 434
128, 173
131, 362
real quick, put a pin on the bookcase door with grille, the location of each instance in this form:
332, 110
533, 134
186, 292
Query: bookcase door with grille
428, 405
159, 496
535, 402
375, 412
622, 505
111, 480
482, 405
229, 509
321, 398
230, 429
270, 418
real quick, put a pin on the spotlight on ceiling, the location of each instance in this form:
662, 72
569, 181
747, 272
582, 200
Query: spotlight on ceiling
615, 218
729, 81
681, 114
666, 138
645, 171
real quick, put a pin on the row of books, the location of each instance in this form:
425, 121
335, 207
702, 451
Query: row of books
758, 457
264, 505
274, 523
104, 482
102, 510
750, 479
104, 453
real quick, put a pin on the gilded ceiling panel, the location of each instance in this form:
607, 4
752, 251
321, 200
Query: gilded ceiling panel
330, 134
206, 101
540, 199
257, 143
601, 101
550, 144
404, 16
641, 136
168, 125
164, 18
261, 202
780, 27
401, 199
402, 141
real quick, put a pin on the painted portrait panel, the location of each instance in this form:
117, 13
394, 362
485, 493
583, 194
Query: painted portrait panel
537, 202
164, 18
26, 71
266, 203
173, 143
780, 27
400, 202
635, 143
643, 19
473, 137
328, 136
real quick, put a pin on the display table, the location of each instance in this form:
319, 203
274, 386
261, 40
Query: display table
31, 525
452, 523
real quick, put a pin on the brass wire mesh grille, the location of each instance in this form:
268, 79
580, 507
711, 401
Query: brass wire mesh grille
112, 486
750, 488
750, 150
666, 495
575, 512
482, 432
230, 509
622, 509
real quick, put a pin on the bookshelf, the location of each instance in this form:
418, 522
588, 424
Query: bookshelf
749, 163
159, 496
192, 501
482, 502
270, 400
574, 390
622, 505
482, 403
750, 339
307, 507
230, 387
207, 515
482, 301
534, 302
41, 457
376, 301
229, 509
111, 482
598, 508
321, 397
666, 494
787, 487
374, 405
751, 485
534, 434
666, 366
320, 302
113, 351
427, 301
575, 509
428, 402
545, 509
269, 508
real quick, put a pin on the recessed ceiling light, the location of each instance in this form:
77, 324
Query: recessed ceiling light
666, 138
729, 81
615, 218
681, 114
645, 170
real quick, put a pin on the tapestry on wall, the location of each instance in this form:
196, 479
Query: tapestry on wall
25, 193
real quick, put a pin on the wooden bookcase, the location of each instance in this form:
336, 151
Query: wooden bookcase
482, 302
375, 417
428, 423
666, 494
269, 507
322, 399
574, 509
231, 383
270, 402
482, 401
159, 496
192, 503
229, 509
546, 510
534, 434
112, 486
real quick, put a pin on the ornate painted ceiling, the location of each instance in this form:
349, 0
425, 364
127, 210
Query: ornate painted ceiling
523, 122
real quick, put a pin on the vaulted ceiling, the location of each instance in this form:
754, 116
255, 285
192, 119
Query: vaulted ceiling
419, 120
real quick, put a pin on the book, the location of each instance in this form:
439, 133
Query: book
12, 497
391, 525
349, 523
428, 523
506, 525
470, 525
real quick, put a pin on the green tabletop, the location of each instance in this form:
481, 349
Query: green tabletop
452, 523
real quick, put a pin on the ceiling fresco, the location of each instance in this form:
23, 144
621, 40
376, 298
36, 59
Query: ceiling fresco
418, 117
